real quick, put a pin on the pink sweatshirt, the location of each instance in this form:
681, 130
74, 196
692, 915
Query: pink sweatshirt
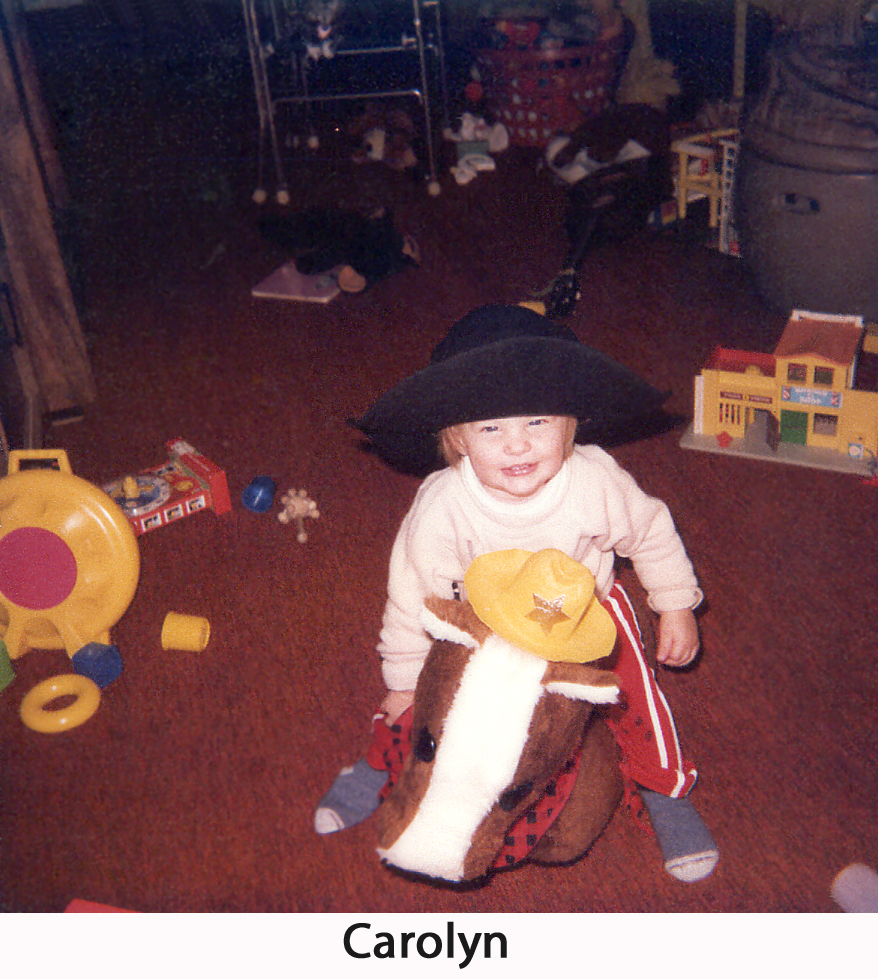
592, 510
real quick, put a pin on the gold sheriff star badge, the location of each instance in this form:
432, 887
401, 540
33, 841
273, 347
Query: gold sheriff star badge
548, 613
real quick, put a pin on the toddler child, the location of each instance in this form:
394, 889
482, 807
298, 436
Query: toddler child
505, 395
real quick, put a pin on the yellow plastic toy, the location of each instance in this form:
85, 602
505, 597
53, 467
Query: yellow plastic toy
699, 169
186, 633
37, 717
798, 405
69, 559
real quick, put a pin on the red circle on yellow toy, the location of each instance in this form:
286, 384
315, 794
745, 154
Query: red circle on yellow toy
69, 559
37, 568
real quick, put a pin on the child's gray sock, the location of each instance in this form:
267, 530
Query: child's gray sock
352, 798
689, 851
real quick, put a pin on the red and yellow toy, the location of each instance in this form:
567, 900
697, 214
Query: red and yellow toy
69, 560
69, 568
187, 483
799, 405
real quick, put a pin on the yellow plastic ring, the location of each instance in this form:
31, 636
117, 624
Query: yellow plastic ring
33, 708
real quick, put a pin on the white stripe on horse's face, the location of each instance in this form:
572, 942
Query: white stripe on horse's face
484, 734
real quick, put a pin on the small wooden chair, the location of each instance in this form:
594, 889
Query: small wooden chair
704, 179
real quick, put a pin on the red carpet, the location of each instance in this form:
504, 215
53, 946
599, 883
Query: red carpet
193, 786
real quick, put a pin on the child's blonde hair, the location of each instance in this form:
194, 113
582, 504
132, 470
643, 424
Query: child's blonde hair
452, 456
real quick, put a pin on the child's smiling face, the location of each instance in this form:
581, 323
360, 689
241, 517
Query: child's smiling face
513, 458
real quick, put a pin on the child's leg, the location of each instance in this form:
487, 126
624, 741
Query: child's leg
352, 798
688, 850
644, 727
357, 790
355, 793
651, 755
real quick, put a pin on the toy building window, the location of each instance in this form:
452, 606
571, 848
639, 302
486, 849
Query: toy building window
729, 413
825, 424
823, 375
797, 372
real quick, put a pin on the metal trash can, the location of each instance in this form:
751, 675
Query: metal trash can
807, 180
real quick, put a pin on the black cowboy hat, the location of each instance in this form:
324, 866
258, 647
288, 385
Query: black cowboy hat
501, 361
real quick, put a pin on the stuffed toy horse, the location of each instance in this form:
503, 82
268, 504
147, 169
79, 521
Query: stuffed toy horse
507, 760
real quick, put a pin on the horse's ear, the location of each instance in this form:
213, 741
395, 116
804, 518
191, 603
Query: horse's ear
579, 681
444, 618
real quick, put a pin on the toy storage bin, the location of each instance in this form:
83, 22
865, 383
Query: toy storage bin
806, 191
810, 237
537, 93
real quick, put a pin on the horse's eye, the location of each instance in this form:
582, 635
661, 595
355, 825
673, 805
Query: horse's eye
425, 746
512, 797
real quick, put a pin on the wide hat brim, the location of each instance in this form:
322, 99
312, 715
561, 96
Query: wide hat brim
504, 379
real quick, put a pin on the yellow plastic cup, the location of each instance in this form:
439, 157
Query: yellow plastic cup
185, 632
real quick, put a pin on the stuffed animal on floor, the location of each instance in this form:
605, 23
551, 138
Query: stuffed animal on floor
367, 248
507, 761
384, 135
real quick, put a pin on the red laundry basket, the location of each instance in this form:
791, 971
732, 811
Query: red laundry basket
537, 93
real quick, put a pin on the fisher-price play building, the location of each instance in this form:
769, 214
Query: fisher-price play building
797, 405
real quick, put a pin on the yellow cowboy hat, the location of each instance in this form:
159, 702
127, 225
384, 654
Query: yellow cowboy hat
542, 601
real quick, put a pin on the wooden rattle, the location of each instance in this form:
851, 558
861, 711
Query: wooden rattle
297, 506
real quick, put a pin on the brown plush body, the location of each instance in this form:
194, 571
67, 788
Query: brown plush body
419, 826
384, 135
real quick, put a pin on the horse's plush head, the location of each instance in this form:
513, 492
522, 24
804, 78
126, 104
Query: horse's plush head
493, 725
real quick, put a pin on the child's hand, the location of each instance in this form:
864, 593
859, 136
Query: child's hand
396, 702
678, 638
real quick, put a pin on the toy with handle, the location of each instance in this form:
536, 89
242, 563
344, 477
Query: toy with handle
297, 506
69, 560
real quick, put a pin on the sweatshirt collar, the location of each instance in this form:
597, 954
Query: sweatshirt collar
541, 503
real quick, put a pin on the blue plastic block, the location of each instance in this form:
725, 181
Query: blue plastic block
99, 662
